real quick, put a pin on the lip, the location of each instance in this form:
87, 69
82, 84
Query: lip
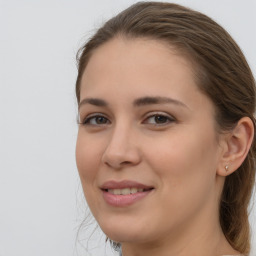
124, 200
123, 184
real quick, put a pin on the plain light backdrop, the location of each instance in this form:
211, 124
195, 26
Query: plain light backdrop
41, 202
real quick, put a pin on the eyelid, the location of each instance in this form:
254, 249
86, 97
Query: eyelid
159, 113
87, 118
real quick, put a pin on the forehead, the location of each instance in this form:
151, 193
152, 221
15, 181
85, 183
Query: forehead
122, 60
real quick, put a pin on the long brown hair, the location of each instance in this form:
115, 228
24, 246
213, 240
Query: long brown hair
222, 73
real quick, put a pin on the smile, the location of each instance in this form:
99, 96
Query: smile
124, 193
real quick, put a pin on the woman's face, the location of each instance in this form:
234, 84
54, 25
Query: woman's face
147, 150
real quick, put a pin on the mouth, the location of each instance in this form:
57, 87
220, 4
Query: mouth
124, 193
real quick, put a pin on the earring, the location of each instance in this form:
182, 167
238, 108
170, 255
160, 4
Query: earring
226, 168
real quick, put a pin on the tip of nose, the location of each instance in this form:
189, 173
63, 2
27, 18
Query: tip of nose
119, 161
121, 152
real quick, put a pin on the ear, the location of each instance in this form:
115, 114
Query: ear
235, 146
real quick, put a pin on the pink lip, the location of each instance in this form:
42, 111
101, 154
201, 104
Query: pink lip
124, 200
123, 184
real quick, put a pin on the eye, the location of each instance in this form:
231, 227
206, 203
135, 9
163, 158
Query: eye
159, 119
96, 120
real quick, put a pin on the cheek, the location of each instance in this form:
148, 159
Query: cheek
185, 163
184, 166
87, 159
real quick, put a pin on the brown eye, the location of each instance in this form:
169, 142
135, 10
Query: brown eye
96, 120
159, 119
101, 120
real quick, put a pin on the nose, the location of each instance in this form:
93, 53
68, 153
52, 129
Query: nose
122, 149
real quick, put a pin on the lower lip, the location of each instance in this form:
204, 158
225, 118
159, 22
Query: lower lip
124, 200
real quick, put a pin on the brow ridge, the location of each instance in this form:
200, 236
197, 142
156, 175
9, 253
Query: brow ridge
143, 101
93, 101
149, 100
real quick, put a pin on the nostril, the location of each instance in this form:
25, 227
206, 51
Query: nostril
125, 163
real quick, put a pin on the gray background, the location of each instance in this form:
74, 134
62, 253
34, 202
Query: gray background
41, 202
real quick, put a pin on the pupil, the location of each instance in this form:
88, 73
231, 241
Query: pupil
101, 120
160, 119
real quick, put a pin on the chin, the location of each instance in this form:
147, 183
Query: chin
123, 233
119, 234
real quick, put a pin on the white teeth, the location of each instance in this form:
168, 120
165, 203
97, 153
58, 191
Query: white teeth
134, 190
125, 191
117, 191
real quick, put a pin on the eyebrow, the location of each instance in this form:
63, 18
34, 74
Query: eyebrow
148, 100
157, 100
93, 101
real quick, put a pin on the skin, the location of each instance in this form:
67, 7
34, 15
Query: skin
182, 157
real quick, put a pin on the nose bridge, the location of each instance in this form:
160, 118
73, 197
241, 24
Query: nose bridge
122, 148
120, 136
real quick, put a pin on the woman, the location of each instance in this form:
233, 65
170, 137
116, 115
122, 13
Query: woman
165, 147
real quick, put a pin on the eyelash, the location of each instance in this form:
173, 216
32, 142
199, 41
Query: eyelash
167, 119
95, 116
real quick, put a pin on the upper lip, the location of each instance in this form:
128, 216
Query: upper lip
112, 184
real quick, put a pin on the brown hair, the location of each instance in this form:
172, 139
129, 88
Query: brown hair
222, 74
